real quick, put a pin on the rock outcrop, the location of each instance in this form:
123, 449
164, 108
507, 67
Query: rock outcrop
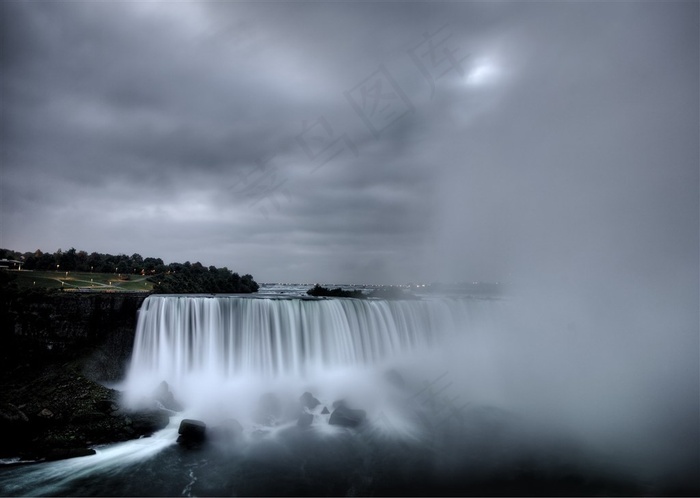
60, 413
192, 433
307, 400
347, 417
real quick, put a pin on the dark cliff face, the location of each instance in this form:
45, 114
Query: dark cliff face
55, 349
43, 328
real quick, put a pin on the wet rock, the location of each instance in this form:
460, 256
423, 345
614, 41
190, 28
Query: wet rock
192, 432
346, 417
45, 413
106, 406
307, 400
325, 411
58, 408
146, 423
165, 397
305, 420
63, 453
10, 414
87, 417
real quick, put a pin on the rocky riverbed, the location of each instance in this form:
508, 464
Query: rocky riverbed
56, 348
59, 413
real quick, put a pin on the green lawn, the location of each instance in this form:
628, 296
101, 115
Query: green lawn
81, 280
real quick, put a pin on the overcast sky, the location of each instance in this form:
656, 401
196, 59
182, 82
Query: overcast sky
357, 142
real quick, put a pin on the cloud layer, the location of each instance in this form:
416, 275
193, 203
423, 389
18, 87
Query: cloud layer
378, 142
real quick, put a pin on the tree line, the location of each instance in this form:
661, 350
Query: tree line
195, 278
166, 278
74, 260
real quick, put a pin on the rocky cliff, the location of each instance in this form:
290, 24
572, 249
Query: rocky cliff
56, 351
41, 328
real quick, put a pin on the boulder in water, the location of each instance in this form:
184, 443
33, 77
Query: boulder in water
305, 420
192, 432
146, 422
165, 397
307, 400
325, 411
346, 417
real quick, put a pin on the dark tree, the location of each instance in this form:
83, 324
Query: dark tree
173, 278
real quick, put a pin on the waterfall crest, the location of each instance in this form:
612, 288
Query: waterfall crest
227, 336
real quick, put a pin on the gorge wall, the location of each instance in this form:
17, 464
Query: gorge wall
40, 328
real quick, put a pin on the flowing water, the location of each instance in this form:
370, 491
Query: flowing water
434, 376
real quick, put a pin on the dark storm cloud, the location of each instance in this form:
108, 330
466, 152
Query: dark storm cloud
191, 118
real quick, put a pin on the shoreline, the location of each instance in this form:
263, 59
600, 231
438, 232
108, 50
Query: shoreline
60, 413
57, 351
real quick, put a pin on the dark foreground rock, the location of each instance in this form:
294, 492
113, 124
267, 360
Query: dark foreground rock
59, 413
345, 416
305, 420
62, 454
308, 400
192, 433
165, 397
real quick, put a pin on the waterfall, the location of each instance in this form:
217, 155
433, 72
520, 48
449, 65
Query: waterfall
226, 336
223, 351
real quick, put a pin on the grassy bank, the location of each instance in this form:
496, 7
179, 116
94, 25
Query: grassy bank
82, 281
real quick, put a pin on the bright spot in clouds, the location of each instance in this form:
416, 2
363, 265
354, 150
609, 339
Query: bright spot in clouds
484, 72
